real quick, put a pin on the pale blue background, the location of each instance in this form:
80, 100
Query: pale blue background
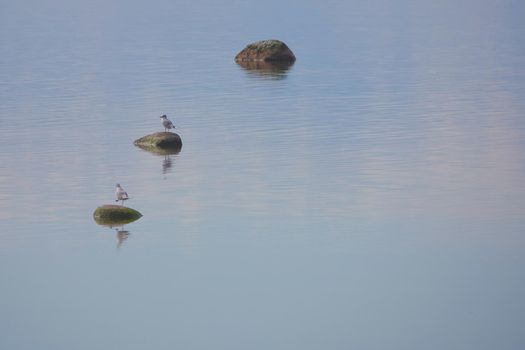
371, 197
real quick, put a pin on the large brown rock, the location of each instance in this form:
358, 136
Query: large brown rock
266, 50
161, 140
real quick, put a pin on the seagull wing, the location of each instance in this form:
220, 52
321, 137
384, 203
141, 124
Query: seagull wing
121, 194
167, 124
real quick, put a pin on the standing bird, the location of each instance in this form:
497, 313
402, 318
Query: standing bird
121, 194
166, 123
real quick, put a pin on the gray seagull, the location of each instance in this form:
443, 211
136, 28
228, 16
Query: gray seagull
166, 123
121, 194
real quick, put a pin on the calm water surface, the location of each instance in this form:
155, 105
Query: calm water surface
371, 196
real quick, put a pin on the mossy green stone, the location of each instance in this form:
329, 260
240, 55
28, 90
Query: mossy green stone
164, 140
266, 50
267, 45
111, 214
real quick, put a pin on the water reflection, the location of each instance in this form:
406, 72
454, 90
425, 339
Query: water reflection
122, 235
118, 226
166, 164
166, 153
270, 70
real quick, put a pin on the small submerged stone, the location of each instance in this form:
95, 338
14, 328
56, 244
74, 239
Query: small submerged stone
114, 215
163, 140
266, 50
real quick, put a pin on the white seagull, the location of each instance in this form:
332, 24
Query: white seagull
121, 194
166, 123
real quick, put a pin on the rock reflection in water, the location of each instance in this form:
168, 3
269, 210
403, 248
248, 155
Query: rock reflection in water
270, 70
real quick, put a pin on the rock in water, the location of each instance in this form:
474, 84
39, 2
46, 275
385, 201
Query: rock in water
163, 140
266, 50
115, 215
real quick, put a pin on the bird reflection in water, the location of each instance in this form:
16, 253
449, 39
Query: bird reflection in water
168, 155
265, 69
122, 235
118, 227
167, 163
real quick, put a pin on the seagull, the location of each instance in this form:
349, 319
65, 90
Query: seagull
121, 194
166, 123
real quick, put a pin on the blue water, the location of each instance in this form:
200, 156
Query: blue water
371, 196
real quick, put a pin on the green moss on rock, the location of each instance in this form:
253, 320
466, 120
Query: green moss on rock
163, 140
266, 50
267, 45
111, 214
